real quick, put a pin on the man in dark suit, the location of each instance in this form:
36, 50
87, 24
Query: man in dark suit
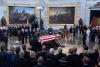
32, 21
85, 53
33, 25
86, 62
92, 35
36, 24
26, 34
74, 31
6, 40
16, 57
51, 58
95, 56
32, 18
3, 21
22, 35
84, 38
26, 53
50, 30
61, 62
73, 58
43, 53
41, 24
60, 55
40, 63
80, 25
19, 34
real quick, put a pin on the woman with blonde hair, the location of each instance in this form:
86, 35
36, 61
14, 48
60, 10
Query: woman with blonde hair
32, 54
32, 58
11, 49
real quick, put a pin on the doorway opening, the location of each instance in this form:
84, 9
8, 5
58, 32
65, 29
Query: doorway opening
95, 17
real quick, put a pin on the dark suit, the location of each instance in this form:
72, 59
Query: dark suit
22, 36
40, 65
95, 56
92, 35
41, 24
89, 55
3, 59
51, 60
73, 60
84, 38
86, 66
98, 36
36, 25
6, 40
10, 59
50, 31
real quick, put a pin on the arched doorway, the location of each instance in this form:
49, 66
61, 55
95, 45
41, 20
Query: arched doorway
94, 17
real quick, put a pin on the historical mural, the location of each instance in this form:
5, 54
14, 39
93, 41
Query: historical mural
20, 15
61, 15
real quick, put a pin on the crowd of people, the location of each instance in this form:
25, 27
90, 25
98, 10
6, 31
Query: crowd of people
23, 57
88, 34
17, 57
22, 32
48, 57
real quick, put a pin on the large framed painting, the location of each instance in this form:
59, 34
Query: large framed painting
21, 14
61, 15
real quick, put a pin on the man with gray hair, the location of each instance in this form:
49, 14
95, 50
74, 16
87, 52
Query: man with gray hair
51, 58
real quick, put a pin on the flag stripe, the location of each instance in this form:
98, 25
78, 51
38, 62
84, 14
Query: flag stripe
46, 38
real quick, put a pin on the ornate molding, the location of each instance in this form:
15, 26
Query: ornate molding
97, 5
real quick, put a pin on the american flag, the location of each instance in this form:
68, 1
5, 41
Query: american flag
46, 38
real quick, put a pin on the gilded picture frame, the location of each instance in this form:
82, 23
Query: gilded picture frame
20, 9
62, 14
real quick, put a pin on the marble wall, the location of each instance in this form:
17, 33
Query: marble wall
1, 12
82, 9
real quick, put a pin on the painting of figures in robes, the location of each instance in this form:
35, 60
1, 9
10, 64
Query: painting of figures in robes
21, 15
61, 15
